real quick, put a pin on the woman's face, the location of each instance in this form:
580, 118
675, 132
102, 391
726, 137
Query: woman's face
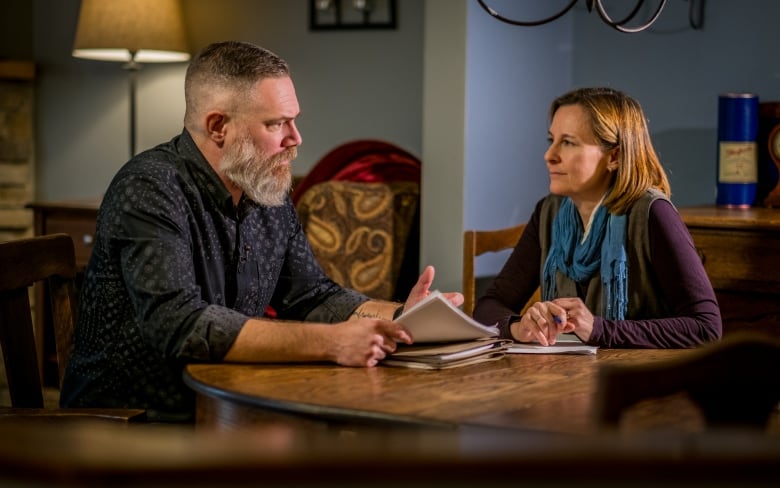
579, 166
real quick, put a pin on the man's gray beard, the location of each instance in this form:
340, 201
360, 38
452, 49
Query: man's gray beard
264, 180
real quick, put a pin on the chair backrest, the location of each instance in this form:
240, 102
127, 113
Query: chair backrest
734, 382
49, 259
478, 242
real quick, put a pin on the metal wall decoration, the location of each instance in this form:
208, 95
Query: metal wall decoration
695, 15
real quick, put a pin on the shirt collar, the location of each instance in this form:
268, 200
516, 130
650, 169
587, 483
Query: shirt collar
205, 177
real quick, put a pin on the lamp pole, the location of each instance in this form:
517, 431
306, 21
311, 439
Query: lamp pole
132, 68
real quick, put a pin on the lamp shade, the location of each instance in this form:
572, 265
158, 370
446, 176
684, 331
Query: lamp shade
144, 31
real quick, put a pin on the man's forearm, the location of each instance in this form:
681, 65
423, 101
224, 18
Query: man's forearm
378, 309
263, 340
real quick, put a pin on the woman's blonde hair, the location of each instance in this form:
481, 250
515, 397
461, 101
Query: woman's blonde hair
618, 121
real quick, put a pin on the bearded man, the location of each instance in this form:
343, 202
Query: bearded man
198, 236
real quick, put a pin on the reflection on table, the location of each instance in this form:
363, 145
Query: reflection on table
545, 393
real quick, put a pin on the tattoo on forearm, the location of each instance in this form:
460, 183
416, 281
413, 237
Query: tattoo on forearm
362, 314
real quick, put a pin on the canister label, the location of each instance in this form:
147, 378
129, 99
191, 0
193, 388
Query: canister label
738, 162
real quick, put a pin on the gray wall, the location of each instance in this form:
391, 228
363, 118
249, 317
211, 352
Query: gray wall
465, 91
513, 74
351, 85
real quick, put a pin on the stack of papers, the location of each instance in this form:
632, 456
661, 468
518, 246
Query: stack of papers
445, 337
448, 355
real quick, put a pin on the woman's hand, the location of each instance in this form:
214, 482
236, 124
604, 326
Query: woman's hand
579, 317
543, 322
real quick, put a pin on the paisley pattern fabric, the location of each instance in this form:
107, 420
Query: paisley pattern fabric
358, 231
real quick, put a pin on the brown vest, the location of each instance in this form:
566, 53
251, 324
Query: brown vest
643, 299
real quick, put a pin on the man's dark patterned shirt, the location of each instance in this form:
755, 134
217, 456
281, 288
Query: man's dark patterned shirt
175, 272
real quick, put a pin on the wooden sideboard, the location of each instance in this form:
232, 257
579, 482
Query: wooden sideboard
77, 219
740, 249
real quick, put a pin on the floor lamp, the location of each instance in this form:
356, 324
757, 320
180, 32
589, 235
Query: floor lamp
132, 32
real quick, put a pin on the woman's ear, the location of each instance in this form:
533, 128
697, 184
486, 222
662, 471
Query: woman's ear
614, 161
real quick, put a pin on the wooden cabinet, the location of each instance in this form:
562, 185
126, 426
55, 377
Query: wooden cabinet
77, 219
740, 249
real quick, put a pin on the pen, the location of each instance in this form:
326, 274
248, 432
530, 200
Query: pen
557, 319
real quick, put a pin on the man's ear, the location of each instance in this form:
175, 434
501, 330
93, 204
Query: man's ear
216, 123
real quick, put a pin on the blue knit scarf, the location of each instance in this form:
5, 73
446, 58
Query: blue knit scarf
603, 249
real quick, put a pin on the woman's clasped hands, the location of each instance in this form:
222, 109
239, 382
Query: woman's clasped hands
543, 322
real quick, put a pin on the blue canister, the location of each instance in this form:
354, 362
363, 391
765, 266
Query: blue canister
737, 149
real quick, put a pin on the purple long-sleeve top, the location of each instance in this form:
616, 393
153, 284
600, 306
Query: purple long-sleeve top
682, 284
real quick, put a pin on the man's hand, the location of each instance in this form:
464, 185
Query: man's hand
421, 289
365, 341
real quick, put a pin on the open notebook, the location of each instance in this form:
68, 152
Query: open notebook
565, 344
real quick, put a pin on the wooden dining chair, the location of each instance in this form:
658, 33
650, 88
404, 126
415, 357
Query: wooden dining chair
49, 260
478, 242
733, 382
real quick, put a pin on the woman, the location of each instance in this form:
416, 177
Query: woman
617, 265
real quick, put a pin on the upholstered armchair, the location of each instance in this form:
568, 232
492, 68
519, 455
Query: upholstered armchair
360, 232
359, 206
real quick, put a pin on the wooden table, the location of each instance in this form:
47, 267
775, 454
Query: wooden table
740, 249
86, 455
549, 393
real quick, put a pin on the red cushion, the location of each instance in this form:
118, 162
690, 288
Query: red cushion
365, 160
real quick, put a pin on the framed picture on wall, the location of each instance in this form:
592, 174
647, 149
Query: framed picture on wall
352, 14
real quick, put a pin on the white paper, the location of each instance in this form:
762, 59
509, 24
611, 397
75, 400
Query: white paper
435, 319
557, 348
